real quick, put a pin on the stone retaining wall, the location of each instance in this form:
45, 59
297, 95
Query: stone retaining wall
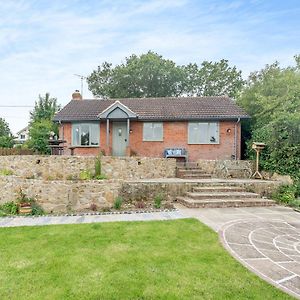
63, 195
64, 167
147, 191
227, 168
66, 196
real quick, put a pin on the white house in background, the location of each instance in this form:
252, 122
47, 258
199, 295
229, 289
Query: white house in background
22, 136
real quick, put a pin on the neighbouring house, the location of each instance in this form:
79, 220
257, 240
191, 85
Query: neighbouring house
206, 127
22, 136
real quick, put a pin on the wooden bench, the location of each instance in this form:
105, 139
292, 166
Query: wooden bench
176, 153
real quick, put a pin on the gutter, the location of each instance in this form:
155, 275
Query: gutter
236, 138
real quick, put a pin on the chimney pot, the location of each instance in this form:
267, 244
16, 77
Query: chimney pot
76, 95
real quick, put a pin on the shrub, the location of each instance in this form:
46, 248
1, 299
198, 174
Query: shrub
85, 175
36, 209
118, 203
6, 172
158, 200
22, 198
285, 194
98, 166
9, 208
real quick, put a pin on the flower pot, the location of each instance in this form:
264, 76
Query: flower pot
25, 208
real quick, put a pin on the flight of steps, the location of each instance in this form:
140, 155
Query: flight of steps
211, 195
191, 171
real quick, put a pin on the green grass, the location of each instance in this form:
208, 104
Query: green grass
180, 259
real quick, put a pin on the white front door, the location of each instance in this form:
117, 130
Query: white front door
119, 141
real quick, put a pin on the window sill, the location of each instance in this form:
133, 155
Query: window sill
74, 146
203, 143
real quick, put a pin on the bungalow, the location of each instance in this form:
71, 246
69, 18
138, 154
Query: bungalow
206, 127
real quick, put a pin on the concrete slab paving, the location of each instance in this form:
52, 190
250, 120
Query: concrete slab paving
264, 239
55, 220
274, 264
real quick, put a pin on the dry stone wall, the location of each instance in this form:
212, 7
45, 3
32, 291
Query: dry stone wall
227, 168
62, 196
147, 191
64, 167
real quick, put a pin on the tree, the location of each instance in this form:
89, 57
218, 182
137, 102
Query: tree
218, 78
44, 109
39, 132
150, 75
6, 139
41, 124
272, 98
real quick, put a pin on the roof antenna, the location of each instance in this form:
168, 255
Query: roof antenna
81, 79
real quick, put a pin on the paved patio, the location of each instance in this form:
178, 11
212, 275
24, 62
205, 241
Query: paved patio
264, 239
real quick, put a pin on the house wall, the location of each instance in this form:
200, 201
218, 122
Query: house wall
175, 135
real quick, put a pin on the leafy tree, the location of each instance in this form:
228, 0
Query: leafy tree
39, 132
150, 75
44, 109
6, 139
41, 123
218, 78
272, 98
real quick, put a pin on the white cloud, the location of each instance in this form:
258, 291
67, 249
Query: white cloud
42, 44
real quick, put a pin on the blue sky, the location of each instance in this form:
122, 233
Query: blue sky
43, 43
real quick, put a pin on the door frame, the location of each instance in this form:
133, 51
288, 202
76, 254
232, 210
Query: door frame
115, 144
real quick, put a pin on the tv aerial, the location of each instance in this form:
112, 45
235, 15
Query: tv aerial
81, 79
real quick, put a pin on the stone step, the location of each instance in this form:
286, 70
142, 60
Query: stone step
221, 195
219, 184
190, 171
218, 188
209, 203
195, 176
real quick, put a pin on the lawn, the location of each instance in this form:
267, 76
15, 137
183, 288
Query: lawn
180, 259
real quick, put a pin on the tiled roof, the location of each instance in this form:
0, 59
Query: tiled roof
183, 108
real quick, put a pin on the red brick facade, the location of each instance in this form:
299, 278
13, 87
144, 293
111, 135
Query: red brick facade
175, 136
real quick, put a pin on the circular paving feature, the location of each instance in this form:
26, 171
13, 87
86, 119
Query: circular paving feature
269, 248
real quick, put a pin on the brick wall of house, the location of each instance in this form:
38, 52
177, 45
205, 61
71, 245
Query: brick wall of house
175, 135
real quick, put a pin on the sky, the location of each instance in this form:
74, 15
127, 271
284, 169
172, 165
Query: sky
44, 43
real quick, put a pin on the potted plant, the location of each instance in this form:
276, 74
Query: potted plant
24, 203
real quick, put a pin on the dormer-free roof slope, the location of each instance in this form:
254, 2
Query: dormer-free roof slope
162, 109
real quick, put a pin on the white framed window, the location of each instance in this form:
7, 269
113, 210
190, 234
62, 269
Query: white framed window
203, 133
85, 134
153, 132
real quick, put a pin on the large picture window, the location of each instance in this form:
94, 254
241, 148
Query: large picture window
203, 133
153, 132
85, 134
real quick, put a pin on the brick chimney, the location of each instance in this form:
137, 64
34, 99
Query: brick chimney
76, 95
